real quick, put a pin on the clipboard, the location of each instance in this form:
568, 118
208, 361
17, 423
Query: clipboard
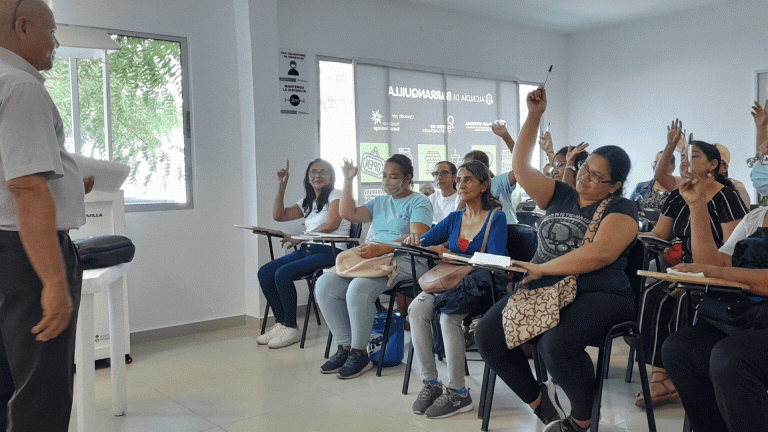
419, 250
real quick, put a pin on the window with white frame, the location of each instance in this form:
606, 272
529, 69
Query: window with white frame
150, 119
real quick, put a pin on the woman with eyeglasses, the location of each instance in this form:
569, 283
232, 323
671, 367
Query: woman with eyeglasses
320, 210
445, 200
603, 297
725, 209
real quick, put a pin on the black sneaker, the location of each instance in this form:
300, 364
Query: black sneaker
427, 397
335, 362
357, 363
549, 409
565, 425
450, 403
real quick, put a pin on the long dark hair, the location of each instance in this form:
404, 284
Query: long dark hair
480, 171
309, 198
404, 163
712, 153
620, 164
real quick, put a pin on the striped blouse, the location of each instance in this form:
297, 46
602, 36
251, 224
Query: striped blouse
724, 207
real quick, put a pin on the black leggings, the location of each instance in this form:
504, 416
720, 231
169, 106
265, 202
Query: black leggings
562, 348
722, 380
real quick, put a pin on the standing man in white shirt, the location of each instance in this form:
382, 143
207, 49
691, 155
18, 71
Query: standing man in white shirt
41, 199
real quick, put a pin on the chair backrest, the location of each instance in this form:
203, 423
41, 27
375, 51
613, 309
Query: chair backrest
529, 218
635, 262
522, 242
355, 230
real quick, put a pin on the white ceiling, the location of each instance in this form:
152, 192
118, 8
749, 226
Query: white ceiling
564, 16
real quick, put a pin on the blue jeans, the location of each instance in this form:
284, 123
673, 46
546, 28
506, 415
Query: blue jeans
276, 278
348, 304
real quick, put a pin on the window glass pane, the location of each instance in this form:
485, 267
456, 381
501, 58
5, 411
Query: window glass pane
147, 123
147, 118
337, 115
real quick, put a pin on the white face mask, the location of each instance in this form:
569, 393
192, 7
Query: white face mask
394, 187
759, 178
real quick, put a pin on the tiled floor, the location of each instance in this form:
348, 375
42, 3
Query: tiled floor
224, 381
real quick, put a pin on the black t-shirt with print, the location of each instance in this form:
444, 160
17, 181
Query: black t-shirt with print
724, 207
562, 230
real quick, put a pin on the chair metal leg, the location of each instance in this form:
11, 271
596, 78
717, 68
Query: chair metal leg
466, 365
488, 401
644, 381
608, 346
630, 361
328, 344
602, 359
483, 391
407, 377
383, 351
264, 321
310, 301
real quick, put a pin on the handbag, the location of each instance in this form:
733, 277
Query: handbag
529, 313
104, 251
350, 264
731, 312
446, 275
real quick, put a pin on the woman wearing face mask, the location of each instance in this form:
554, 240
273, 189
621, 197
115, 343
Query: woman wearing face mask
444, 200
348, 304
725, 209
463, 231
320, 210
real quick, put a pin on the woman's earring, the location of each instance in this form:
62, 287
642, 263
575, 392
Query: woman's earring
709, 174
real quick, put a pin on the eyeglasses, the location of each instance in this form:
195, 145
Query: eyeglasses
443, 173
321, 173
593, 177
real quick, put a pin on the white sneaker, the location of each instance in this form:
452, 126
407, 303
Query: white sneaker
270, 334
286, 336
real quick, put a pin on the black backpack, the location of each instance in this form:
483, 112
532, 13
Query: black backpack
104, 251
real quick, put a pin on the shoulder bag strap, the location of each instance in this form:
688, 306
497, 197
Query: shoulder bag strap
488, 229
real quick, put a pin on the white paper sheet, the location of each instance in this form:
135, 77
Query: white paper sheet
673, 271
490, 259
108, 176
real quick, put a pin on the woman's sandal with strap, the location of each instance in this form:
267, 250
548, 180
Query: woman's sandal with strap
668, 396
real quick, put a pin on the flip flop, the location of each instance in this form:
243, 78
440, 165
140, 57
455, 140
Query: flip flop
658, 399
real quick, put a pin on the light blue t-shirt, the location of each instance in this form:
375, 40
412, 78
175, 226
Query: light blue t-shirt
501, 188
392, 218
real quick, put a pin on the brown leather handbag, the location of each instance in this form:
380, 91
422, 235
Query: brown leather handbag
446, 275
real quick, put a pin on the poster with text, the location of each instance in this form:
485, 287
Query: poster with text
429, 156
372, 158
294, 89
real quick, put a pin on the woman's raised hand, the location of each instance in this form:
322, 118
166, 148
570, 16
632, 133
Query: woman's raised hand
499, 127
676, 135
760, 114
283, 174
693, 190
545, 142
537, 101
574, 151
349, 170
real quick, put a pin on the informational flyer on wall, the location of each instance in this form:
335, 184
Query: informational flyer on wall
294, 88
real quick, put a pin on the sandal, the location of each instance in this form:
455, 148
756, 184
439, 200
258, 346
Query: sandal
668, 396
